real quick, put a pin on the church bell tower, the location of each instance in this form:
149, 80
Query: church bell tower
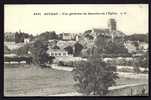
112, 27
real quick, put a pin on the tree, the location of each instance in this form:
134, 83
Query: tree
69, 49
101, 42
78, 48
47, 35
94, 76
39, 52
144, 60
20, 36
136, 64
136, 44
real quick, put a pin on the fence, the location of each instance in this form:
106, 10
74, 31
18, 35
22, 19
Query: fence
128, 90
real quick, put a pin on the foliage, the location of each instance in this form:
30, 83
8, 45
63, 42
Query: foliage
101, 43
135, 43
10, 37
47, 35
69, 49
136, 64
23, 50
88, 31
78, 48
141, 61
144, 60
39, 52
89, 37
19, 37
6, 50
94, 76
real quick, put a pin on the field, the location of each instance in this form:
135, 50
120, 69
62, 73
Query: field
31, 80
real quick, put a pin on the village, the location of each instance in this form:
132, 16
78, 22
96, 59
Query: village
129, 53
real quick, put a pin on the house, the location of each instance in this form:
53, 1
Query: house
130, 46
57, 53
64, 44
67, 36
61, 46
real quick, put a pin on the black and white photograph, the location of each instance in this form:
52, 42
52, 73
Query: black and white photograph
76, 50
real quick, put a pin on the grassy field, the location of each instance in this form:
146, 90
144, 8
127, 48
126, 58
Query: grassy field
31, 80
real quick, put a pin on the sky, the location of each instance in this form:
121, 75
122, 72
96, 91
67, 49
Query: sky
131, 18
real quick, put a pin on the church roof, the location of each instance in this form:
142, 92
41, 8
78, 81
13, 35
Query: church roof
107, 33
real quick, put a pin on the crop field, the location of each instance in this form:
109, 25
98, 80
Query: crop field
32, 80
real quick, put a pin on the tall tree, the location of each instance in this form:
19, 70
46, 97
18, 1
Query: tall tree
39, 52
94, 76
78, 47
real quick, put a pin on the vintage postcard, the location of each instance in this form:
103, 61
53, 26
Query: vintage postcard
76, 50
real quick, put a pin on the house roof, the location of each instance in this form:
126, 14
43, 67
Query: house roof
64, 44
